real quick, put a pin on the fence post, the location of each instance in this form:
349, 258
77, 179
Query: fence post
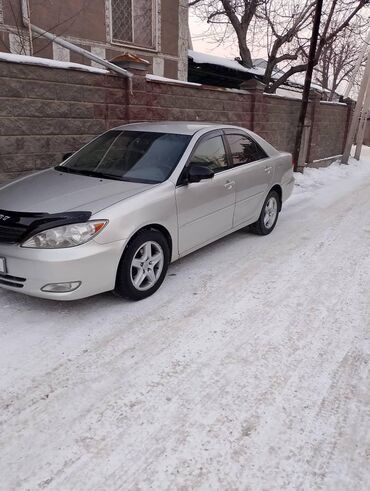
350, 110
302, 158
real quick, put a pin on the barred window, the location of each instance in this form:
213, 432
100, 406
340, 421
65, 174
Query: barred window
132, 22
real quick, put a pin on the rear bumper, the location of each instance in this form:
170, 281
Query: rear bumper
288, 187
29, 270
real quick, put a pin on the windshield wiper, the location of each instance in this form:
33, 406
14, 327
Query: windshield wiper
102, 175
89, 173
61, 168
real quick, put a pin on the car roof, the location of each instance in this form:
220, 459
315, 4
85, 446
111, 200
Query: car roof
191, 128
176, 127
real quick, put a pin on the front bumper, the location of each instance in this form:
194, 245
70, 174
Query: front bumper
93, 264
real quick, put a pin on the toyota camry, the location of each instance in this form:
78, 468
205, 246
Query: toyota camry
113, 215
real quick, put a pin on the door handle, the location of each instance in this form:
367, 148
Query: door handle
268, 169
229, 184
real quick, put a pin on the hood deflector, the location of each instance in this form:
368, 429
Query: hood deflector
16, 227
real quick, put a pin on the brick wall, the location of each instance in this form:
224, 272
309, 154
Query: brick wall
330, 127
277, 122
184, 102
46, 112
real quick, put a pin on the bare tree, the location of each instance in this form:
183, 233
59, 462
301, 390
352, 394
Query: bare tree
338, 58
337, 17
283, 21
237, 13
282, 26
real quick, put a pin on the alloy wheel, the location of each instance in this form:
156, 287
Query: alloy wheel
147, 265
271, 211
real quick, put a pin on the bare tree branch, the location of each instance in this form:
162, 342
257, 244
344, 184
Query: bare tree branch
282, 27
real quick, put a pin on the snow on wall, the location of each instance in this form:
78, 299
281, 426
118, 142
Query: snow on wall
34, 60
156, 78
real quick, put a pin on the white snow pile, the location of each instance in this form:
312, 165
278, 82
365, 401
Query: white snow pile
35, 60
332, 180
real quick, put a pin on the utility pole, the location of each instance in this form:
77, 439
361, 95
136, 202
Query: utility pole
357, 111
29, 28
363, 121
307, 83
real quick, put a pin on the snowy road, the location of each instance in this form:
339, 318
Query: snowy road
248, 370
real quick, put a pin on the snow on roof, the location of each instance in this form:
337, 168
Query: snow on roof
258, 69
203, 58
260, 62
34, 60
298, 78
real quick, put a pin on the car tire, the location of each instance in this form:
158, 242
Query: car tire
269, 215
143, 266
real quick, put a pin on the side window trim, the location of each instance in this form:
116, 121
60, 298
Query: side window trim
230, 132
202, 139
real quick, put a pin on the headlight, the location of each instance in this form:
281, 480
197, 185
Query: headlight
66, 236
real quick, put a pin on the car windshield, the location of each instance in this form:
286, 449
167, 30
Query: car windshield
136, 156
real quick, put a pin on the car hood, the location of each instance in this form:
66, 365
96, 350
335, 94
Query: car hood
52, 191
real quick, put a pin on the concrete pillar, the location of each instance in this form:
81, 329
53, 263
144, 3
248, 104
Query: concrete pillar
314, 121
256, 88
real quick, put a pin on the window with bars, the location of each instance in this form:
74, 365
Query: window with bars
132, 22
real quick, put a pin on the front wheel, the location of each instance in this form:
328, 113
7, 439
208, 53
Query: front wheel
143, 266
269, 215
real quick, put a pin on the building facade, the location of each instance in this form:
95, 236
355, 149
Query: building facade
156, 30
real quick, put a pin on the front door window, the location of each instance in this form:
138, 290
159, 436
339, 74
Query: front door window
211, 153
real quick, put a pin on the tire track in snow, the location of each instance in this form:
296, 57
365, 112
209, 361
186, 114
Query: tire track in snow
238, 367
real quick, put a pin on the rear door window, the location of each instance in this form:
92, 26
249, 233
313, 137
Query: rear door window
244, 150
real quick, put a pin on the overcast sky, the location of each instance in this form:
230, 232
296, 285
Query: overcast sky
201, 42
205, 44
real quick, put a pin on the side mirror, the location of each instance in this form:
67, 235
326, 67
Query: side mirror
197, 173
67, 155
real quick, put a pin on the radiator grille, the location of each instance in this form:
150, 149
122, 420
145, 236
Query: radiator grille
13, 281
12, 234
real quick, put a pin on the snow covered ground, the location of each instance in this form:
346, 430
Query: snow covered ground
248, 370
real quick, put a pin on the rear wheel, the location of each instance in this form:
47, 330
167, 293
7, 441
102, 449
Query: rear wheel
269, 215
143, 266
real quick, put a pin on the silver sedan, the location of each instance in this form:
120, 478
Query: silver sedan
116, 213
